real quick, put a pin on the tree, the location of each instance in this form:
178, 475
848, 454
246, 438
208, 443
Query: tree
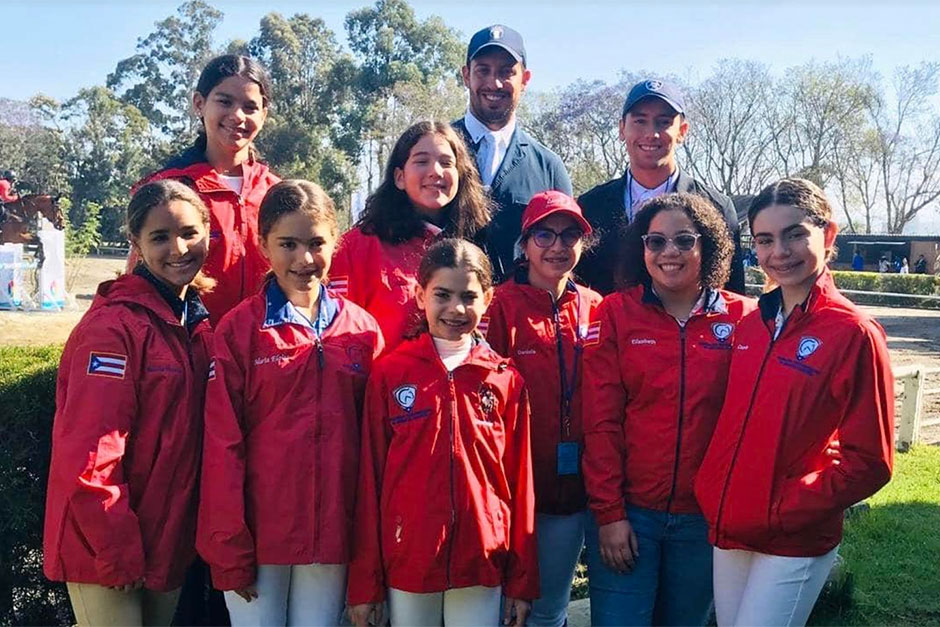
908, 144
729, 137
309, 99
394, 48
160, 78
33, 146
107, 151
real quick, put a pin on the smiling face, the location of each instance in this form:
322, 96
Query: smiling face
791, 248
549, 266
453, 302
232, 113
651, 131
173, 243
300, 251
496, 82
672, 270
429, 176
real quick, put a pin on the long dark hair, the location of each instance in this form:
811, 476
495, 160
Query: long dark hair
226, 66
389, 214
717, 245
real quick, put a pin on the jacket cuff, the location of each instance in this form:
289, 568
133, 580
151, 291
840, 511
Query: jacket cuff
357, 595
120, 572
609, 514
232, 578
523, 588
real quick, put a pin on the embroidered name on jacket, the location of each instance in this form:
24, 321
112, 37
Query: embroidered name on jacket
271, 359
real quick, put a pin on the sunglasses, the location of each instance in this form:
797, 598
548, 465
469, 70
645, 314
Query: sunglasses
656, 243
545, 238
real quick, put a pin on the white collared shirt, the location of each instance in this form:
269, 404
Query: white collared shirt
635, 194
492, 150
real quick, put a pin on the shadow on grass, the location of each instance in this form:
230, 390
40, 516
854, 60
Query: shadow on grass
891, 569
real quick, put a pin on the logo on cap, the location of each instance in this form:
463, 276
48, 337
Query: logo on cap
654, 85
807, 347
405, 395
496, 32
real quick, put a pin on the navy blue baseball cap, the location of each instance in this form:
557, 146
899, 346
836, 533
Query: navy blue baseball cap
499, 36
654, 88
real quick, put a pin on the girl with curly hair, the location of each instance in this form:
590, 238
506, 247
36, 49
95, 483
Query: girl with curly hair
657, 356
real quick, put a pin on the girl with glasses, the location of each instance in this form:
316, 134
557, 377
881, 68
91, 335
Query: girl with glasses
540, 318
808, 424
657, 360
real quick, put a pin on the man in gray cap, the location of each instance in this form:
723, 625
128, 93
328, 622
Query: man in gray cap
513, 165
652, 126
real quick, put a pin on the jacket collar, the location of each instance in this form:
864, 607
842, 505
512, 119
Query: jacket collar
521, 279
189, 309
192, 164
822, 293
136, 290
422, 347
710, 302
279, 310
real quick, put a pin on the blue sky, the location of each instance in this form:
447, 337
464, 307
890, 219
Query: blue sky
59, 46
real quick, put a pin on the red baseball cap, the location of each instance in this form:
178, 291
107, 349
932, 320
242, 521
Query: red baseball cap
551, 202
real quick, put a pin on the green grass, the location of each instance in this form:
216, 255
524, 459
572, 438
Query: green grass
892, 552
891, 569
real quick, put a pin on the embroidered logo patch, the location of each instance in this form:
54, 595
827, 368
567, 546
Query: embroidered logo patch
496, 32
487, 399
807, 347
339, 284
593, 335
107, 365
654, 85
212, 370
405, 396
722, 331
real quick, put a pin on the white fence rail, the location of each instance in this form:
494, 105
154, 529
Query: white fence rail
913, 382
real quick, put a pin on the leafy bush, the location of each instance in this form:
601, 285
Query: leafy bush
27, 396
911, 285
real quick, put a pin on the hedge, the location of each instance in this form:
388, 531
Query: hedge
911, 285
27, 402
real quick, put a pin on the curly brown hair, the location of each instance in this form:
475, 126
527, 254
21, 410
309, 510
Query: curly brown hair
717, 243
388, 213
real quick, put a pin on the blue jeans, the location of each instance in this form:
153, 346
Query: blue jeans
671, 583
560, 539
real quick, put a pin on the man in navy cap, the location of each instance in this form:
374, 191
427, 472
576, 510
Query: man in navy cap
652, 126
513, 165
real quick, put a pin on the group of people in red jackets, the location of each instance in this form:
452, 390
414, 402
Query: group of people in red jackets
363, 422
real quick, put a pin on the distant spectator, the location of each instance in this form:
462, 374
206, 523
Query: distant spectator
883, 265
858, 262
920, 266
905, 268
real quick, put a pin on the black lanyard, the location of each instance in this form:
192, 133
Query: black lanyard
567, 387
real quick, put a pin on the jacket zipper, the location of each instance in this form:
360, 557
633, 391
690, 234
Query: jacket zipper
737, 446
316, 447
453, 498
675, 465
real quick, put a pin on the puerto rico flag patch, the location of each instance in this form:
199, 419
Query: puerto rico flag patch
110, 365
211, 370
483, 325
340, 284
593, 335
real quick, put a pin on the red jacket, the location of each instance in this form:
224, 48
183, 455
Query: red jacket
445, 484
235, 260
524, 324
121, 503
381, 278
283, 410
6, 191
806, 429
655, 390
